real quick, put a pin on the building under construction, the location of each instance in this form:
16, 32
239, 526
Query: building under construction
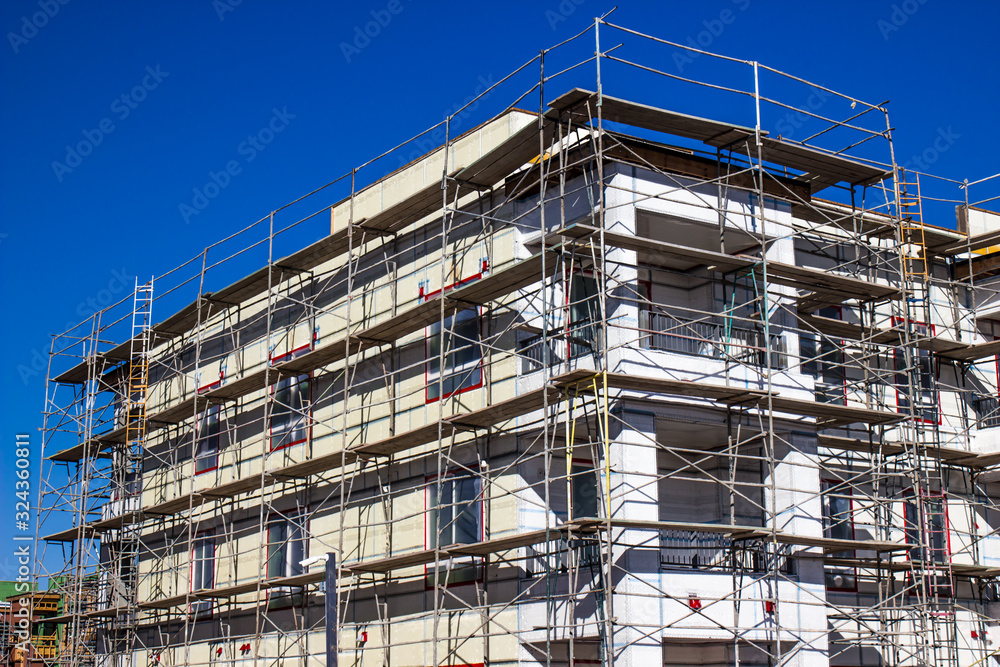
597, 381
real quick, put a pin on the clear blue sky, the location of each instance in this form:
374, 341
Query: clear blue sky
212, 73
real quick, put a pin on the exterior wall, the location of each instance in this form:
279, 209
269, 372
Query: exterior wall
641, 472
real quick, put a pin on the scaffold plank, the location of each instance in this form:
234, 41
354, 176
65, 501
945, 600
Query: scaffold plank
950, 455
819, 167
967, 243
115, 522
661, 249
712, 132
973, 352
77, 374
70, 534
806, 278
511, 154
175, 505
752, 398
91, 447
832, 545
410, 209
327, 248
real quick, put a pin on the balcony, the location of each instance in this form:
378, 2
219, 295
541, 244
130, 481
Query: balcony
689, 549
715, 340
987, 410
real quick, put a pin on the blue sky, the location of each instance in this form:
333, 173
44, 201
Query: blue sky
166, 94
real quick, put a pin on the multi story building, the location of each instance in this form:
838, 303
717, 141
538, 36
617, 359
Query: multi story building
599, 383
30, 639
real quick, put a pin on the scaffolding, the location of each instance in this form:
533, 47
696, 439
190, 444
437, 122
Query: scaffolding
592, 384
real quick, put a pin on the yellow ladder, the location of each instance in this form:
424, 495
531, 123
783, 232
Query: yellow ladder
910, 208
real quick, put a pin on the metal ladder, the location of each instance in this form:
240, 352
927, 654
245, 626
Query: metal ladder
127, 476
933, 581
910, 209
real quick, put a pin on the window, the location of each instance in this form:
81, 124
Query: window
127, 479
206, 449
203, 569
286, 547
822, 359
290, 411
934, 547
463, 355
583, 488
583, 316
455, 516
925, 405
838, 524
456, 511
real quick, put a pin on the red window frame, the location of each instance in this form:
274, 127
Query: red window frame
209, 608
849, 492
475, 561
299, 351
910, 498
913, 499
895, 359
212, 385
423, 298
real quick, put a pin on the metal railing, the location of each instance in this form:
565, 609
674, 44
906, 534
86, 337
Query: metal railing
987, 411
712, 551
532, 354
716, 340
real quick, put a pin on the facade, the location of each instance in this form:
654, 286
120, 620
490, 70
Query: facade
29, 638
565, 390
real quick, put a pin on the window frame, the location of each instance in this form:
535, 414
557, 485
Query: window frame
433, 378
931, 576
934, 364
848, 491
282, 597
570, 326
430, 526
300, 379
579, 468
300, 522
204, 417
911, 500
821, 364
203, 608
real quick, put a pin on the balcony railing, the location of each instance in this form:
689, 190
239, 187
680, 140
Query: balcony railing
712, 551
987, 411
716, 340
